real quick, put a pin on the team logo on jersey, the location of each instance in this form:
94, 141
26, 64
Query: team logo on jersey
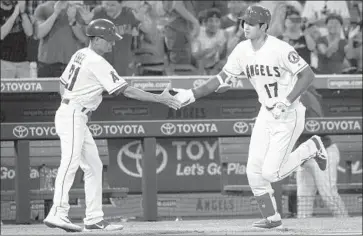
130, 156
293, 57
312, 126
20, 131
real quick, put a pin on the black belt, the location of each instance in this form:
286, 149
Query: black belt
66, 101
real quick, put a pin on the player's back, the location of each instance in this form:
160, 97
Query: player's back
80, 78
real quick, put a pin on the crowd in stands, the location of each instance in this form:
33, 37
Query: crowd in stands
174, 37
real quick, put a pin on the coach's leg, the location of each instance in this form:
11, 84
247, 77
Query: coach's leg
92, 167
306, 190
70, 126
261, 188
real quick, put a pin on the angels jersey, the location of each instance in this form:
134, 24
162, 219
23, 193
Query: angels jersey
272, 69
87, 76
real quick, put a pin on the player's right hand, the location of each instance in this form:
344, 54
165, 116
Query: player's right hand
184, 96
166, 98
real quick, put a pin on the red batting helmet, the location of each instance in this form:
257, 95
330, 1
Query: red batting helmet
256, 15
103, 28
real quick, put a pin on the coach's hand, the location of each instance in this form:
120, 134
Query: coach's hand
184, 96
166, 98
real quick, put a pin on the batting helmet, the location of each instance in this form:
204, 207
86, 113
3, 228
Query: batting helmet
103, 28
256, 15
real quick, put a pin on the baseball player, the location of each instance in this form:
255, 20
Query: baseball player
309, 177
86, 76
279, 76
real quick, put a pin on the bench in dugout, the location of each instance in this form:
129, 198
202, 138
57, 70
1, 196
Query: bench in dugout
48, 153
235, 150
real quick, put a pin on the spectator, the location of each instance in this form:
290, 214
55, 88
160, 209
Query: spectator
209, 47
319, 10
204, 5
354, 49
150, 53
294, 35
181, 26
60, 33
33, 42
122, 56
330, 48
235, 37
15, 26
279, 10
235, 10
309, 177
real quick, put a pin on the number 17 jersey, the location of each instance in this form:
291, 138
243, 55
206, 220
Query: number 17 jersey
87, 76
271, 70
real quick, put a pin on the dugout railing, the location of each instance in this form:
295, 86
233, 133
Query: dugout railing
22, 133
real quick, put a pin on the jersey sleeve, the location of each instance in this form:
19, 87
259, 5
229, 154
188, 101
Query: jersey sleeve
234, 67
107, 76
291, 61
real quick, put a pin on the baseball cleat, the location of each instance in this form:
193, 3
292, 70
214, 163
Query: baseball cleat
103, 225
321, 155
267, 224
62, 223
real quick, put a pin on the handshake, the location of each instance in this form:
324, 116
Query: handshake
184, 97
179, 100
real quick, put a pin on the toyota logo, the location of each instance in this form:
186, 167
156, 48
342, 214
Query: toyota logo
240, 127
20, 131
168, 128
130, 155
95, 129
312, 126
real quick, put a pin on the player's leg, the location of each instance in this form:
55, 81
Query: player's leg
92, 166
280, 161
284, 135
326, 183
261, 188
70, 126
306, 190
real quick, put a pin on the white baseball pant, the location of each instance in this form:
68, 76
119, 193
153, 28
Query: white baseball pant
270, 158
311, 179
78, 150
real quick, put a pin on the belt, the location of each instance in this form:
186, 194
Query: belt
83, 109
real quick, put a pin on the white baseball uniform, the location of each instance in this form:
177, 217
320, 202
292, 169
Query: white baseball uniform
85, 78
272, 71
311, 179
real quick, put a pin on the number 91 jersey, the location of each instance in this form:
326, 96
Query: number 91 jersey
272, 69
87, 76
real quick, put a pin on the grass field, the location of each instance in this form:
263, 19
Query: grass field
312, 226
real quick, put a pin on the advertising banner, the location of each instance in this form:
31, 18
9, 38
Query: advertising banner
176, 128
183, 165
159, 83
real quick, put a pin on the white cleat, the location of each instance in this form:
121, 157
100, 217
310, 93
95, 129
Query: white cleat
103, 225
321, 155
61, 222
